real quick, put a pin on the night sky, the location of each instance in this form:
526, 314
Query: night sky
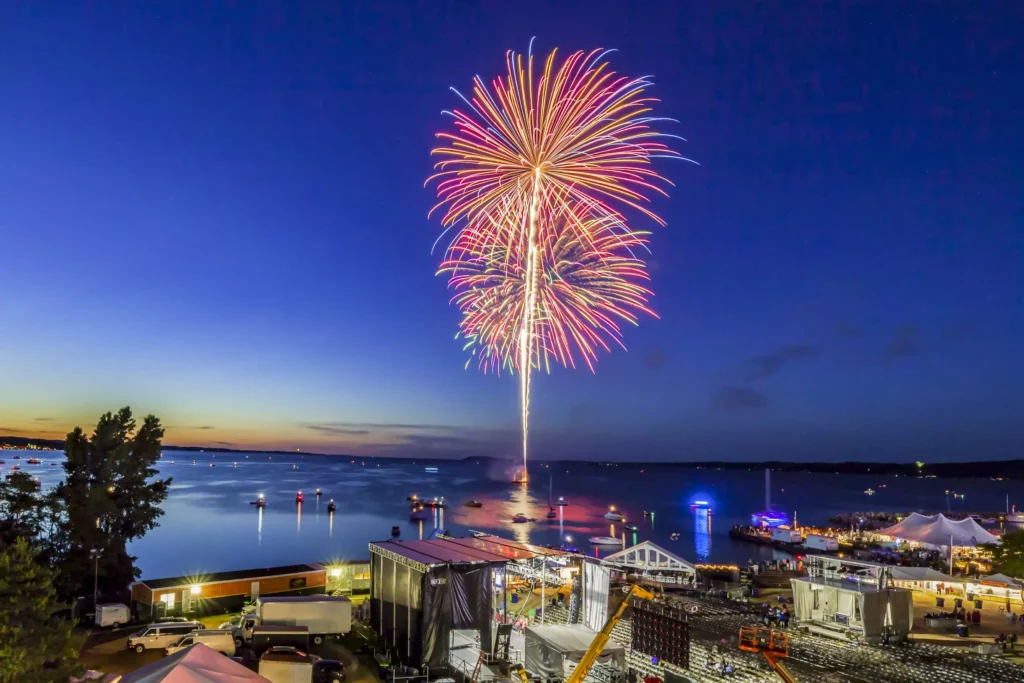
216, 213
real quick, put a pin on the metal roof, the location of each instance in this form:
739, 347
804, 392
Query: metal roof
219, 577
456, 550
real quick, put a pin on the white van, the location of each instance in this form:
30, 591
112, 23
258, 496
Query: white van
114, 615
159, 636
221, 641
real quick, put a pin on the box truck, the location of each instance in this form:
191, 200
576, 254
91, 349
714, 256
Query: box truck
819, 542
786, 535
321, 615
263, 638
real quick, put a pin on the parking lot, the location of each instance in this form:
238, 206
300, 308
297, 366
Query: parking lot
107, 651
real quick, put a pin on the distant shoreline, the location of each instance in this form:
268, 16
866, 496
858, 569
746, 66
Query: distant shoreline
991, 469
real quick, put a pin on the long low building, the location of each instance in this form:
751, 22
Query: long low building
221, 592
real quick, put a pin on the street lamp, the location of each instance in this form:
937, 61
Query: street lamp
94, 555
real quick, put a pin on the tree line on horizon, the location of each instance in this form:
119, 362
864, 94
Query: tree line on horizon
55, 544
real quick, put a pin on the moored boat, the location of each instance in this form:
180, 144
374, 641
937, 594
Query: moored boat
520, 519
613, 515
474, 504
605, 540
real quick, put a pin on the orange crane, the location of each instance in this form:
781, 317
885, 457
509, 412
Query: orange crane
772, 644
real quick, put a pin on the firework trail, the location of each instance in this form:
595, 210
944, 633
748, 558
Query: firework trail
542, 259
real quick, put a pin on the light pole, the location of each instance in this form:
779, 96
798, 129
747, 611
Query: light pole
94, 555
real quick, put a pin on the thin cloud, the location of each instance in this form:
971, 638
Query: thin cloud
768, 364
905, 343
739, 399
336, 431
655, 359
849, 331
44, 419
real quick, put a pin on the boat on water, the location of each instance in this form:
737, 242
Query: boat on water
419, 513
298, 497
520, 478
15, 468
561, 502
319, 493
631, 527
474, 504
870, 492
435, 503
33, 461
413, 498
520, 519
17, 457
605, 540
613, 515
551, 513
331, 507
260, 502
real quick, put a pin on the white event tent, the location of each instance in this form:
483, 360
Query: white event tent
939, 531
196, 664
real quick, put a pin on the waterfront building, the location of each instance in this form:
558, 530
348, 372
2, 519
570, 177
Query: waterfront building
221, 592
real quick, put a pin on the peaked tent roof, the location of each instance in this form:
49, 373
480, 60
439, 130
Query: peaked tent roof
655, 558
939, 530
572, 640
922, 574
196, 664
1003, 578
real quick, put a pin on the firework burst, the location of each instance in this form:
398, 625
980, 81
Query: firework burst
532, 180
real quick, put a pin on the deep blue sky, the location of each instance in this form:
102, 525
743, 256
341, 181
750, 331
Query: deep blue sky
215, 213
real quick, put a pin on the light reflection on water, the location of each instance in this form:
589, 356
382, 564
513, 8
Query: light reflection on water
208, 511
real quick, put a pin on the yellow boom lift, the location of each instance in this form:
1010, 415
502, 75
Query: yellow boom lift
601, 639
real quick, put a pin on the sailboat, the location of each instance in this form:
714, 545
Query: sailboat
551, 509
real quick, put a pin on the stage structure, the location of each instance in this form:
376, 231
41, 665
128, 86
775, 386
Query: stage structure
852, 599
439, 602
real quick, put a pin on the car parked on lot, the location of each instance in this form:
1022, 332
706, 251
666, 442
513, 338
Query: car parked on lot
221, 641
159, 635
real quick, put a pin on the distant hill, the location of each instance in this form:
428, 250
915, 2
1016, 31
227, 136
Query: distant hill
990, 469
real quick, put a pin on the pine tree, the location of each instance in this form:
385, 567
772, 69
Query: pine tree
109, 497
35, 645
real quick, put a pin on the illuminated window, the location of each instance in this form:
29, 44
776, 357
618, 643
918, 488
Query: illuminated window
168, 600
